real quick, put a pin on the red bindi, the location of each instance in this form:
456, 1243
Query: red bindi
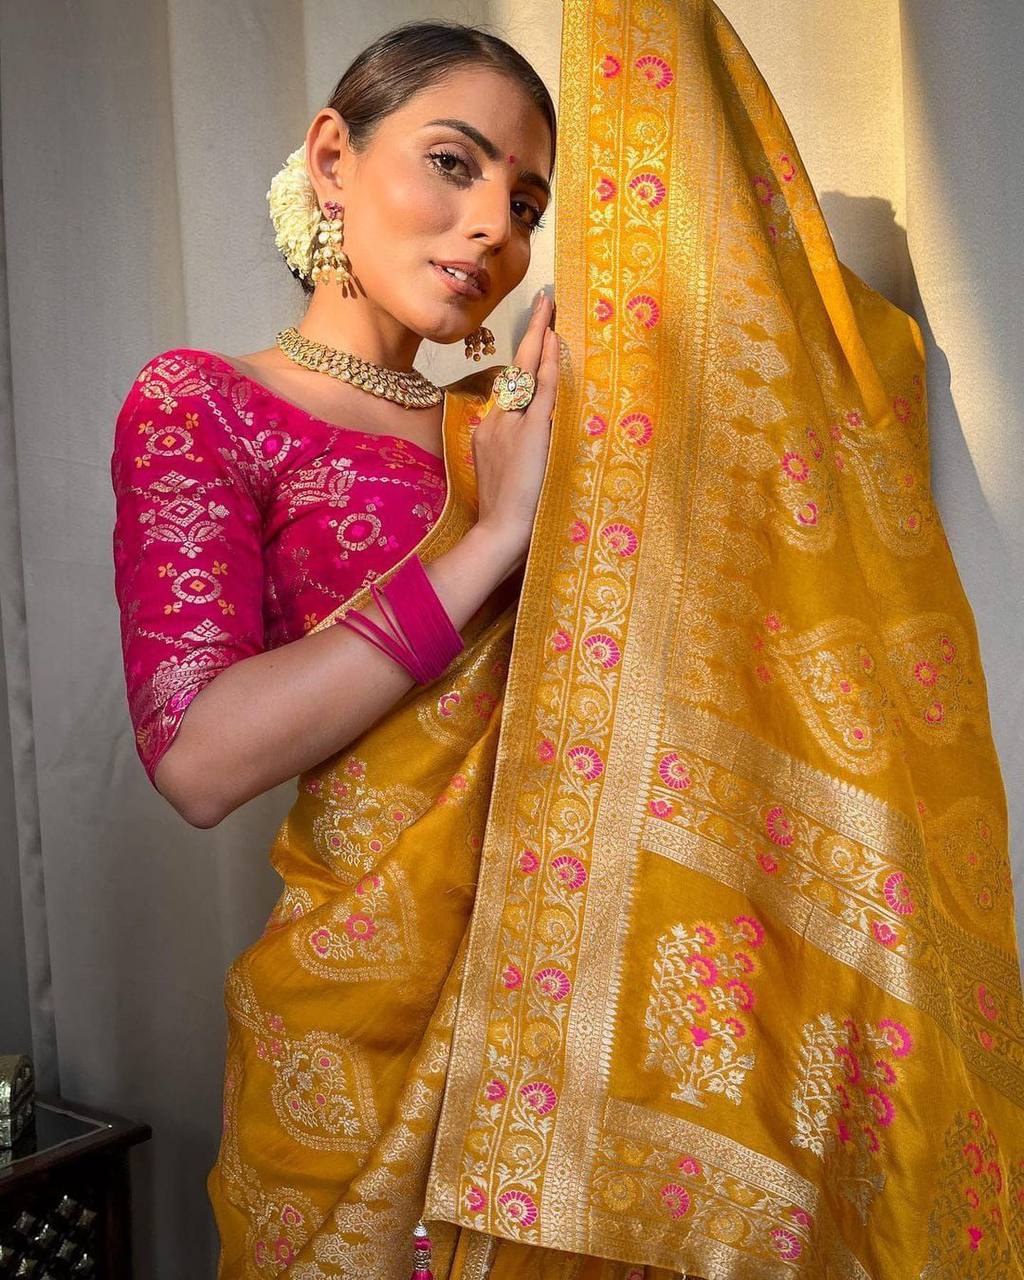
511, 159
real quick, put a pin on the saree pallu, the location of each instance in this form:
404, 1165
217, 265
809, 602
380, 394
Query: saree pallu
671, 931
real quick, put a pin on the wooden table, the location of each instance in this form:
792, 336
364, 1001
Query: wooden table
65, 1196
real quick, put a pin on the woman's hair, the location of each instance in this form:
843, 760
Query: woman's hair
414, 56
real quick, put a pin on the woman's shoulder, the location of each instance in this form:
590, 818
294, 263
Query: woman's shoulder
182, 371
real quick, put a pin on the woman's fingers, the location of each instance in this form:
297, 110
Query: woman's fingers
531, 346
543, 402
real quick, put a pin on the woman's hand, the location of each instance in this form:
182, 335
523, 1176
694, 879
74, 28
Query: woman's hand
510, 446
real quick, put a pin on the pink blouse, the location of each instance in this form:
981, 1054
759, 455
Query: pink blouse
241, 522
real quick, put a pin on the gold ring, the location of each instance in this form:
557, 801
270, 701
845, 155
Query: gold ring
514, 387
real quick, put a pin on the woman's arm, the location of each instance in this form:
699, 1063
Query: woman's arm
275, 714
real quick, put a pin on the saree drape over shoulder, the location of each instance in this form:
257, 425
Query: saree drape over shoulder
671, 931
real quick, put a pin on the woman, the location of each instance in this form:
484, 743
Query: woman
666, 926
436, 148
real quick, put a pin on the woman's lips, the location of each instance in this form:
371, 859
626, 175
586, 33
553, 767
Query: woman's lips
468, 288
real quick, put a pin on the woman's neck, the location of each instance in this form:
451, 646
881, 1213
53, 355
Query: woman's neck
355, 325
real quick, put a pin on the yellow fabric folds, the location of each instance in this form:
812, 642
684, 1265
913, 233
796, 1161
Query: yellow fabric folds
674, 926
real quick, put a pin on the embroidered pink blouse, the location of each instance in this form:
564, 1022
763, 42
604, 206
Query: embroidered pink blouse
242, 521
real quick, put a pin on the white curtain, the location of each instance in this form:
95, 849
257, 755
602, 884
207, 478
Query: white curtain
137, 141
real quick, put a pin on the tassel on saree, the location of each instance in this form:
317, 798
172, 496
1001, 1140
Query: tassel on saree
421, 1257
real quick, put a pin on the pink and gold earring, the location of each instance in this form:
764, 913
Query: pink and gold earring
481, 340
330, 262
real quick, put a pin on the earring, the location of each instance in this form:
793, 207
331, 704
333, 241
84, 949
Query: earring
480, 340
329, 259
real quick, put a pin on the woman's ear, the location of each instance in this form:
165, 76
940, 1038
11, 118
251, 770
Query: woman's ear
327, 150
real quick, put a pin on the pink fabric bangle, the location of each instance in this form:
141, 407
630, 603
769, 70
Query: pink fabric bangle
424, 638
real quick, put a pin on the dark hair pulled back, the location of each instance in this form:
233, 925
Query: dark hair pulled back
411, 57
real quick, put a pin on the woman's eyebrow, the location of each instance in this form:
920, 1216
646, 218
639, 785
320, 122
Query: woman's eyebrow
491, 151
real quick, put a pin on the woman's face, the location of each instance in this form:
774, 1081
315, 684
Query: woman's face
425, 192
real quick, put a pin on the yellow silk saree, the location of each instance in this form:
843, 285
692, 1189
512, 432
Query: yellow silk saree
671, 931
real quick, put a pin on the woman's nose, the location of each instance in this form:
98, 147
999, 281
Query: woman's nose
490, 216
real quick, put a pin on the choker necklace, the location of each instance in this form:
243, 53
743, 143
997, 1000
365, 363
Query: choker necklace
411, 390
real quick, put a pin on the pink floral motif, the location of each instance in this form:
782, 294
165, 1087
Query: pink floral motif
561, 641
476, 1200
637, 428
899, 1037
512, 977
741, 993
764, 189
690, 1165
519, 1207
882, 1104
603, 309
447, 703
546, 751
807, 514
578, 532
603, 649
484, 704
661, 808
586, 762
606, 189
884, 933
897, 894
695, 991
849, 1062
528, 862
494, 1090
673, 772
649, 188
360, 926
595, 425
794, 466
620, 538
610, 66
751, 929
645, 308
676, 1199
778, 826
986, 1004
704, 967
554, 982
656, 71
571, 872
787, 1244
925, 673
540, 1096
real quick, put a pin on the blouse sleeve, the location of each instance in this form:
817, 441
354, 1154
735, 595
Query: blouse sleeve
188, 560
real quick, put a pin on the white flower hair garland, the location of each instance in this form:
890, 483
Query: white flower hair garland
295, 212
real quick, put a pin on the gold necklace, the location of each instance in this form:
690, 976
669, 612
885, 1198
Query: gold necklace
411, 390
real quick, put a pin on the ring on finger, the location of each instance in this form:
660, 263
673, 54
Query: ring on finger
514, 387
